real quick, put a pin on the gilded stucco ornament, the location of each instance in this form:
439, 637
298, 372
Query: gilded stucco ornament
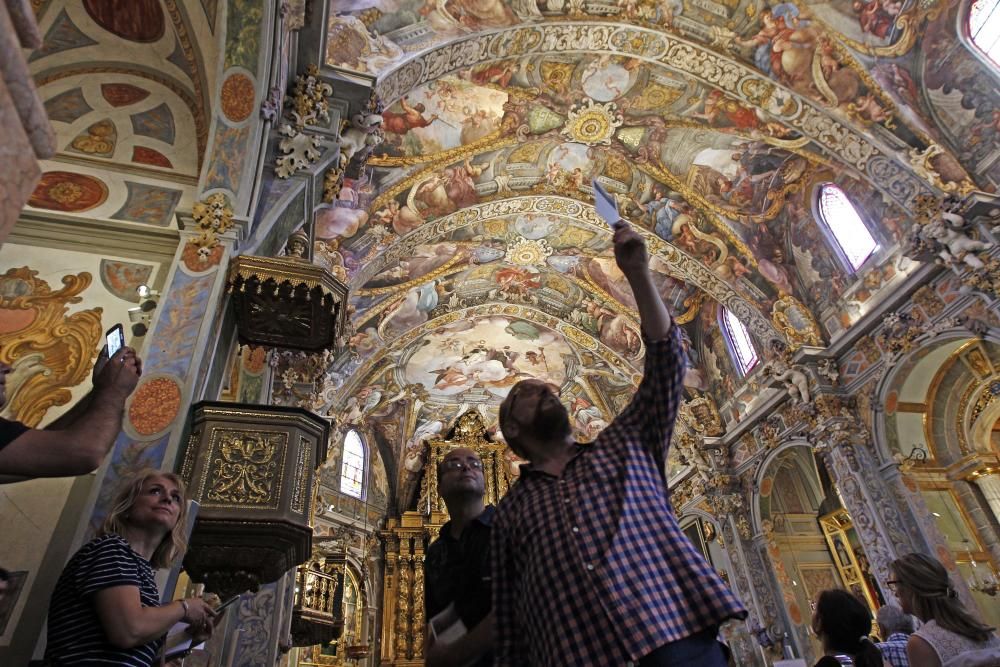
528, 252
309, 105
935, 165
333, 183
899, 332
212, 216
592, 123
985, 279
702, 415
795, 321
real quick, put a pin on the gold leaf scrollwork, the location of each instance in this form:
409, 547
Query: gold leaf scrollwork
795, 321
245, 469
48, 350
213, 216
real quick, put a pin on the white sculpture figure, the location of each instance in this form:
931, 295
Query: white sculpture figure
796, 382
361, 137
954, 246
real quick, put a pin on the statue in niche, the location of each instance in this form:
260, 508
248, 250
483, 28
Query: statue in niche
791, 375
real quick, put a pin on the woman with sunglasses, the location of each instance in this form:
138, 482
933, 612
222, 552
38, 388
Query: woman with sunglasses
949, 634
106, 607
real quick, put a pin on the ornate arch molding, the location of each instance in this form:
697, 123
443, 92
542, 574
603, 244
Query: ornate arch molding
685, 267
574, 335
894, 376
756, 518
849, 144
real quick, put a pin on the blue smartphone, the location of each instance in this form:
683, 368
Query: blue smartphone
605, 204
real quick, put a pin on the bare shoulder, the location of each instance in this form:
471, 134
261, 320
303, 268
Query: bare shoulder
921, 653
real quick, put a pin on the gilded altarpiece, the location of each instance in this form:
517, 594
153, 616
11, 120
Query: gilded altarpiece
407, 537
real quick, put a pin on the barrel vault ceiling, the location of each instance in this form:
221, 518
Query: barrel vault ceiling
474, 254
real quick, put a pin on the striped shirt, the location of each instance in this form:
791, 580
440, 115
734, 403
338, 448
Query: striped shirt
75, 633
591, 568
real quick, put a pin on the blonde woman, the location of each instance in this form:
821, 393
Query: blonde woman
949, 631
106, 607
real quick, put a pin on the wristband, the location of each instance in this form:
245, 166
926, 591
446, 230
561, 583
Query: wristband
184, 604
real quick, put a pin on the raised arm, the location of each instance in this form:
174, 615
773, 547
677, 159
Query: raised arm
653, 409
76, 443
633, 260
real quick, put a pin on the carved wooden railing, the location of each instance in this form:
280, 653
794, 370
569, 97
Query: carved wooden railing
318, 610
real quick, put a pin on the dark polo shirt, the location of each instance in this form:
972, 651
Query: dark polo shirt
458, 570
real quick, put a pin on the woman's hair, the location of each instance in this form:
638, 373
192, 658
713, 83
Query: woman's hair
844, 622
174, 543
933, 596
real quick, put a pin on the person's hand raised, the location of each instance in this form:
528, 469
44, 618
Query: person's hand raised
630, 250
120, 373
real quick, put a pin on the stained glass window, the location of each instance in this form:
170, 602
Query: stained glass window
740, 343
838, 215
352, 471
984, 28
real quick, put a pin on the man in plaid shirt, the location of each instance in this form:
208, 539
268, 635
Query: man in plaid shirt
896, 626
589, 564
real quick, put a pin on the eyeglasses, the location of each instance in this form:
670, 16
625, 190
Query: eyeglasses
455, 464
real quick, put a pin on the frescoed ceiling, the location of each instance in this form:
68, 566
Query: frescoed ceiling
474, 254
125, 85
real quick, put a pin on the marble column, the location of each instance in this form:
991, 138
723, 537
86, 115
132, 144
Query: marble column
990, 487
983, 518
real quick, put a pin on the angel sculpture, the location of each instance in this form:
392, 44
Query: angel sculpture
945, 236
795, 380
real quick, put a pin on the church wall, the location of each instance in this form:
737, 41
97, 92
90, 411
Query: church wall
54, 365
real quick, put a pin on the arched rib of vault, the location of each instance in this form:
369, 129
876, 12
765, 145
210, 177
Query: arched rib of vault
683, 265
574, 335
657, 172
842, 141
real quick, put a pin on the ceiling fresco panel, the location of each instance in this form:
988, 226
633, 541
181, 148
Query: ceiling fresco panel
712, 122
62, 35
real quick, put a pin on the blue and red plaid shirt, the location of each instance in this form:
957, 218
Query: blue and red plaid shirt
591, 568
894, 649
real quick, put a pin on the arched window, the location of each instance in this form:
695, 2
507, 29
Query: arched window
740, 344
984, 28
853, 241
352, 470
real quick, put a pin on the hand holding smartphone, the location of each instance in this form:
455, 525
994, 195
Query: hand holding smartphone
115, 338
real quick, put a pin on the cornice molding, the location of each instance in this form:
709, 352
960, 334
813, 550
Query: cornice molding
100, 237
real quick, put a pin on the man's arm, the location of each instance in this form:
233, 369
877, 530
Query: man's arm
653, 409
77, 444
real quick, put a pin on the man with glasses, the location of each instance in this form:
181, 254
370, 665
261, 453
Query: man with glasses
590, 566
457, 568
